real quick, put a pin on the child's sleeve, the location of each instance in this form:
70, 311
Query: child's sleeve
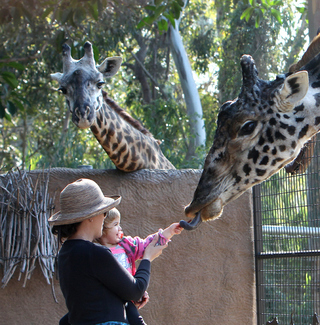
136, 246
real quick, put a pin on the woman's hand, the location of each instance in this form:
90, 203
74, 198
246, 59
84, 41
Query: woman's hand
152, 251
145, 298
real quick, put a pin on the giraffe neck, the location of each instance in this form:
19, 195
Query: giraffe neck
128, 148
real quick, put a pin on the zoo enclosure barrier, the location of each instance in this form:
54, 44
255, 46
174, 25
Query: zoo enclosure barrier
287, 243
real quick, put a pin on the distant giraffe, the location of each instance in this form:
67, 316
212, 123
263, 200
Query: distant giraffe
129, 145
258, 133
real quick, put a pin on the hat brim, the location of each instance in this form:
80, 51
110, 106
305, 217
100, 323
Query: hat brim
107, 204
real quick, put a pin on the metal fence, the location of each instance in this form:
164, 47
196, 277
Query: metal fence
287, 244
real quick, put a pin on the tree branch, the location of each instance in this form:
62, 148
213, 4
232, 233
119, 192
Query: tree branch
28, 58
149, 75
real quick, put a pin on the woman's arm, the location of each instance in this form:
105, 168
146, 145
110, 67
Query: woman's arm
116, 278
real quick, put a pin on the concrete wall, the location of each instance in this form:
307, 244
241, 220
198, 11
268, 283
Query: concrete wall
204, 277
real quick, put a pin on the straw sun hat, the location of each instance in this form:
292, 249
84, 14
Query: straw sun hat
81, 200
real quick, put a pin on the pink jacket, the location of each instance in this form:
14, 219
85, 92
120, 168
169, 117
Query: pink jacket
135, 247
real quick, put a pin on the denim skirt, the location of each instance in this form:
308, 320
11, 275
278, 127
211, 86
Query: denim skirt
112, 323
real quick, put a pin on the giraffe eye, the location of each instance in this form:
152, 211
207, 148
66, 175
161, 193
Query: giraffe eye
62, 90
100, 84
247, 128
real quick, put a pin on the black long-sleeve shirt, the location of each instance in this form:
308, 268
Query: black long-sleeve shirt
95, 285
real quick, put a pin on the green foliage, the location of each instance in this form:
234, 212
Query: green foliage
272, 46
173, 131
257, 10
11, 100
33, 116
161, 12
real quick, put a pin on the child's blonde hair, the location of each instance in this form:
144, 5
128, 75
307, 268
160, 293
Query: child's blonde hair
111, 215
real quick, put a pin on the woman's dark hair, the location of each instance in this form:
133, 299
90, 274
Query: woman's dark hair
65, 231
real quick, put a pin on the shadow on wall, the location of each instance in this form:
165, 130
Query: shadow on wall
204, 277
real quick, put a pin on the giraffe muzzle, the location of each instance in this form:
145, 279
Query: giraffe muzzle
211, 210
193, 224
82, 117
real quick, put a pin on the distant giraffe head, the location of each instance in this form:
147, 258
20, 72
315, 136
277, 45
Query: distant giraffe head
81, 82
128, 144
257, 134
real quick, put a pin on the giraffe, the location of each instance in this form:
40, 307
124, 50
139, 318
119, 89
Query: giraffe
127, 143
258, 133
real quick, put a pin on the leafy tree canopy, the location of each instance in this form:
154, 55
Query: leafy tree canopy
35, 128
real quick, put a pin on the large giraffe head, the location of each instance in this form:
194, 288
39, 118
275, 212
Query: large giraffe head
81, 83
257, 134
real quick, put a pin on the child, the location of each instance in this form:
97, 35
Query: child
127, 250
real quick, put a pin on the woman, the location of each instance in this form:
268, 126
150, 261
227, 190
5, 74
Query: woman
94, 284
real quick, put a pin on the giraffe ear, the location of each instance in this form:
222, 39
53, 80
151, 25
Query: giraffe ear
293, 90
56, 76
110, 66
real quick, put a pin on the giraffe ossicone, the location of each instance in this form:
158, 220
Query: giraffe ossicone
117, 132
257, 134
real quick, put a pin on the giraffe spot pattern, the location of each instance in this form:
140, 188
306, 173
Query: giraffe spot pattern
298, 109
237, 178
275, 161
103, 133
303, 131
315, 84
291, 130
129, 139
269, 135
272, 121
99, 123
119, 137
266, 148
247, 169
264, 160
260, 172
94, 129
283, 125
132, 166
317, 99
253, 154
270, 110
261, 141
279, 136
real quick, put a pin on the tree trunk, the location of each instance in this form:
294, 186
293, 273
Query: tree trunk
314, 17
191, 95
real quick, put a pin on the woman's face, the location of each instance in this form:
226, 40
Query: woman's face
113, 233
97, 224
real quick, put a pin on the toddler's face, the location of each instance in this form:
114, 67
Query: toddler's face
114, 232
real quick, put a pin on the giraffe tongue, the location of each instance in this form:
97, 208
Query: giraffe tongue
194, 224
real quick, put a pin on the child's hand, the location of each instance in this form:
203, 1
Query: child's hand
174, 229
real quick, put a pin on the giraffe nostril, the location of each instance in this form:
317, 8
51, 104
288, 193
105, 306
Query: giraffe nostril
87, 111
77, 112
